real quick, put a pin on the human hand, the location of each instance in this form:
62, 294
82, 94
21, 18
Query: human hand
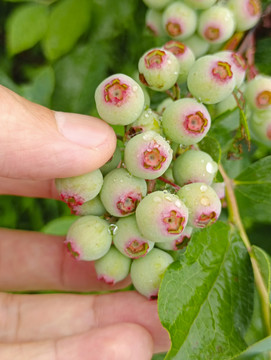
36, 147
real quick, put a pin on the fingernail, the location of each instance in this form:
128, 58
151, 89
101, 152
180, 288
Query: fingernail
86, 131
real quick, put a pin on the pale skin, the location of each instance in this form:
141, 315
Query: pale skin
121, 325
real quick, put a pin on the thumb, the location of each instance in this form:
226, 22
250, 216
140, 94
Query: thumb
37, 143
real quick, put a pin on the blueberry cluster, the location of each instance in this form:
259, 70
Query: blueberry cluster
159, 187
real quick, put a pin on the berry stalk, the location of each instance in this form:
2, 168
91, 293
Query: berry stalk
234, 217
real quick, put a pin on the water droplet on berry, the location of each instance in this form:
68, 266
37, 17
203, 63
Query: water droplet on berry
168, 198
203, 188
135, 88
204, 201
157, 199
113, 228
211, 168
178, 203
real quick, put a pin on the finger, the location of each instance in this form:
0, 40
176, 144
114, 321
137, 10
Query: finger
36, 261
41, 317
30, 188
115, 342
36, 143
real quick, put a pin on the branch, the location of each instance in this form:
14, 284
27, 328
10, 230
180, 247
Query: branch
235, 218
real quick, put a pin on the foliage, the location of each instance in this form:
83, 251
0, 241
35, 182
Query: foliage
55, 53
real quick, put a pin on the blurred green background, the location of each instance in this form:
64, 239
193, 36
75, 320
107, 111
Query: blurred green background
55, 53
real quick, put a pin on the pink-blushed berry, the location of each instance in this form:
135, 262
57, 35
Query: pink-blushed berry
211, 79
197, 44
179, 20
121, 192
146, 272
76, 190
194, 166
88, 238
202, 202
238, 64
220, 189
153, 21
184, 55
216, 24
119, 99
158, 69
112, 267
260, 125
148, 120
147, 155
161, 216
91, 207
186, 121
200, 4
258, 93
128, 239
246, 12
178, 243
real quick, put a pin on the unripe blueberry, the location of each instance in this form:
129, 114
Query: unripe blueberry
113, 162
260, 125
121, 192
128, 239
178, 243
238, 65
76, 190
246, 12
258, 93
158, 69
216, 24
184, 55
179, 20
198, 45
91, 207
211, 79
186, 121
202, 202
153, 22
147, 155
156, 4
194, 166
89, 238
200, 4
148, 120
119, 99
163, 104
146, 272
112, 267
161, 216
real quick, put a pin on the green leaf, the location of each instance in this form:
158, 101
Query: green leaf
68, 20
40, 90
253, 190
210, 145
255, 349
26, 26
263, 261
223, 127
46, 2
263, 55
206, 299
59, 226
77, 76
